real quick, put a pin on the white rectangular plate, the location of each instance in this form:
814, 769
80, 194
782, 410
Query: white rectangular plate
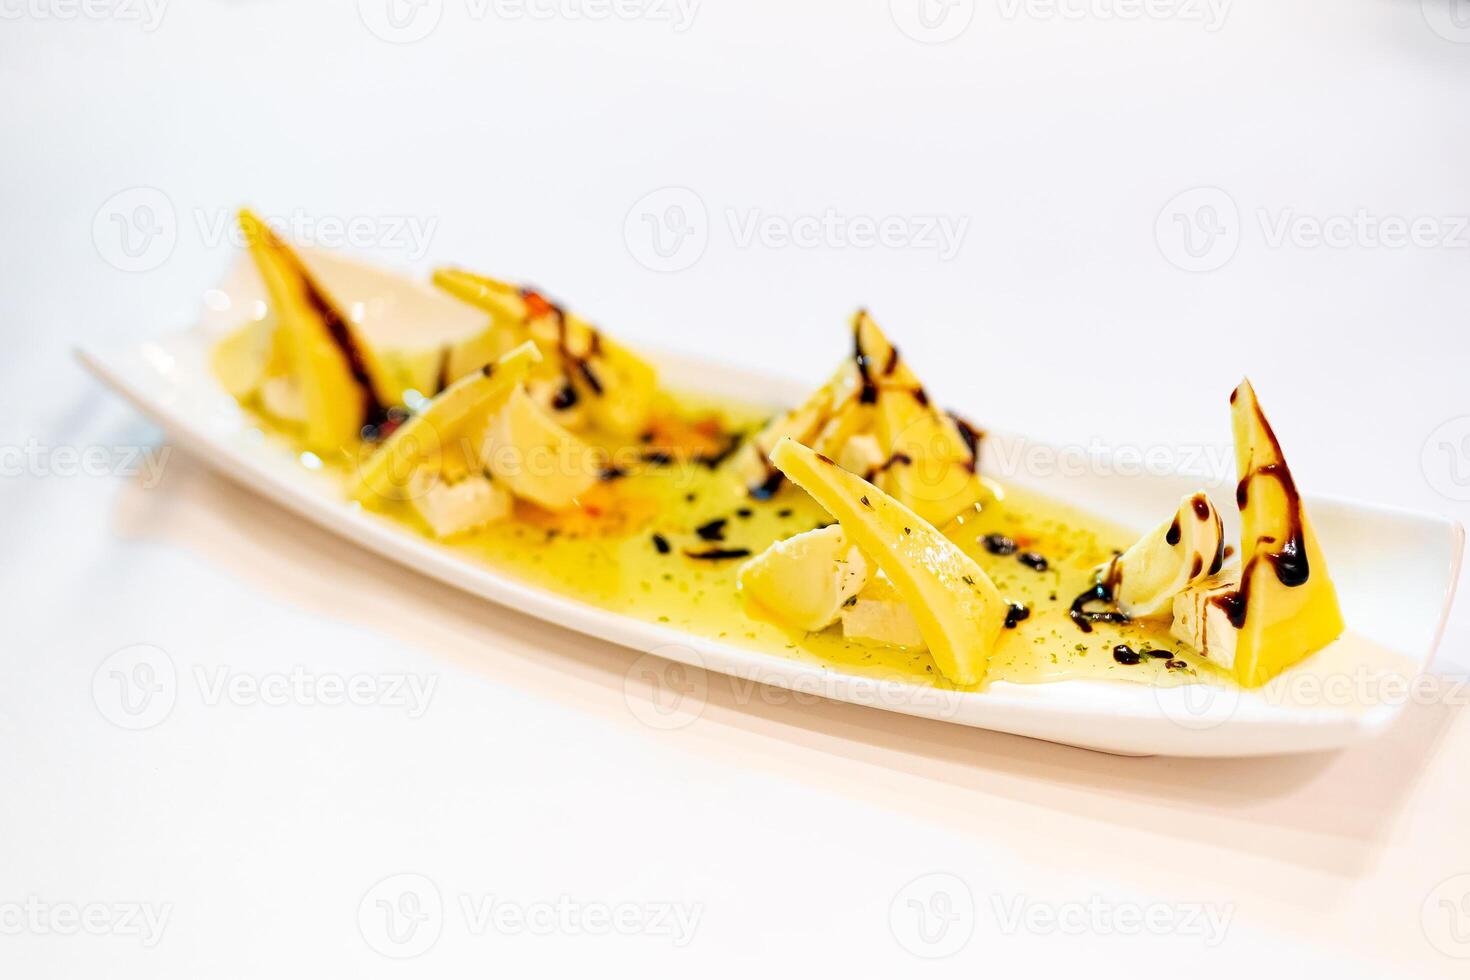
1395, 570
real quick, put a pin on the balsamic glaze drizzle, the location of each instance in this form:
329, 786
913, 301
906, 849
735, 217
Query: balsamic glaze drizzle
1100, 592
1015, 613
1290, 561
374, 412
717, 554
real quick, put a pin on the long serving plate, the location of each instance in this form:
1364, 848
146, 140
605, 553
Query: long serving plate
1395, 570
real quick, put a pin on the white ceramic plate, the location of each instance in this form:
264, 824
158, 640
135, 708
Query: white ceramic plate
1395, 572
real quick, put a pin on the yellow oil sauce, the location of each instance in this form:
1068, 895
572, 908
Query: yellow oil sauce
629, 551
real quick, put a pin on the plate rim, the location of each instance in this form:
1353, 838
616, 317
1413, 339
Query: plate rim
994, 708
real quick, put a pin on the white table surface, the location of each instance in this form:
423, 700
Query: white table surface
788, 835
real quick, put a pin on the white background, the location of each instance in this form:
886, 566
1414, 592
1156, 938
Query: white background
523, 144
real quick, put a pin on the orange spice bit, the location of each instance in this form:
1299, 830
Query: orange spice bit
605, 510
701, 438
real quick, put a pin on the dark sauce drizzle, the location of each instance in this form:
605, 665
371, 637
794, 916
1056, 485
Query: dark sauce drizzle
868, 395
374, 412
717, 554
1084, 618
574, 366
1016, 613
1290, 562
712, 530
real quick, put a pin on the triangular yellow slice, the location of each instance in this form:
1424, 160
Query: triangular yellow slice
958, 608
1286, 608
338, 396
387, 473
617, 386
927, 462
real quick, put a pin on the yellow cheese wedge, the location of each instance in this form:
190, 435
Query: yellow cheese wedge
1173, 556
804, 581
1283, 607
534, 457
879, 615
959, 611
420, 442
337, 397
874, 399
617, 386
